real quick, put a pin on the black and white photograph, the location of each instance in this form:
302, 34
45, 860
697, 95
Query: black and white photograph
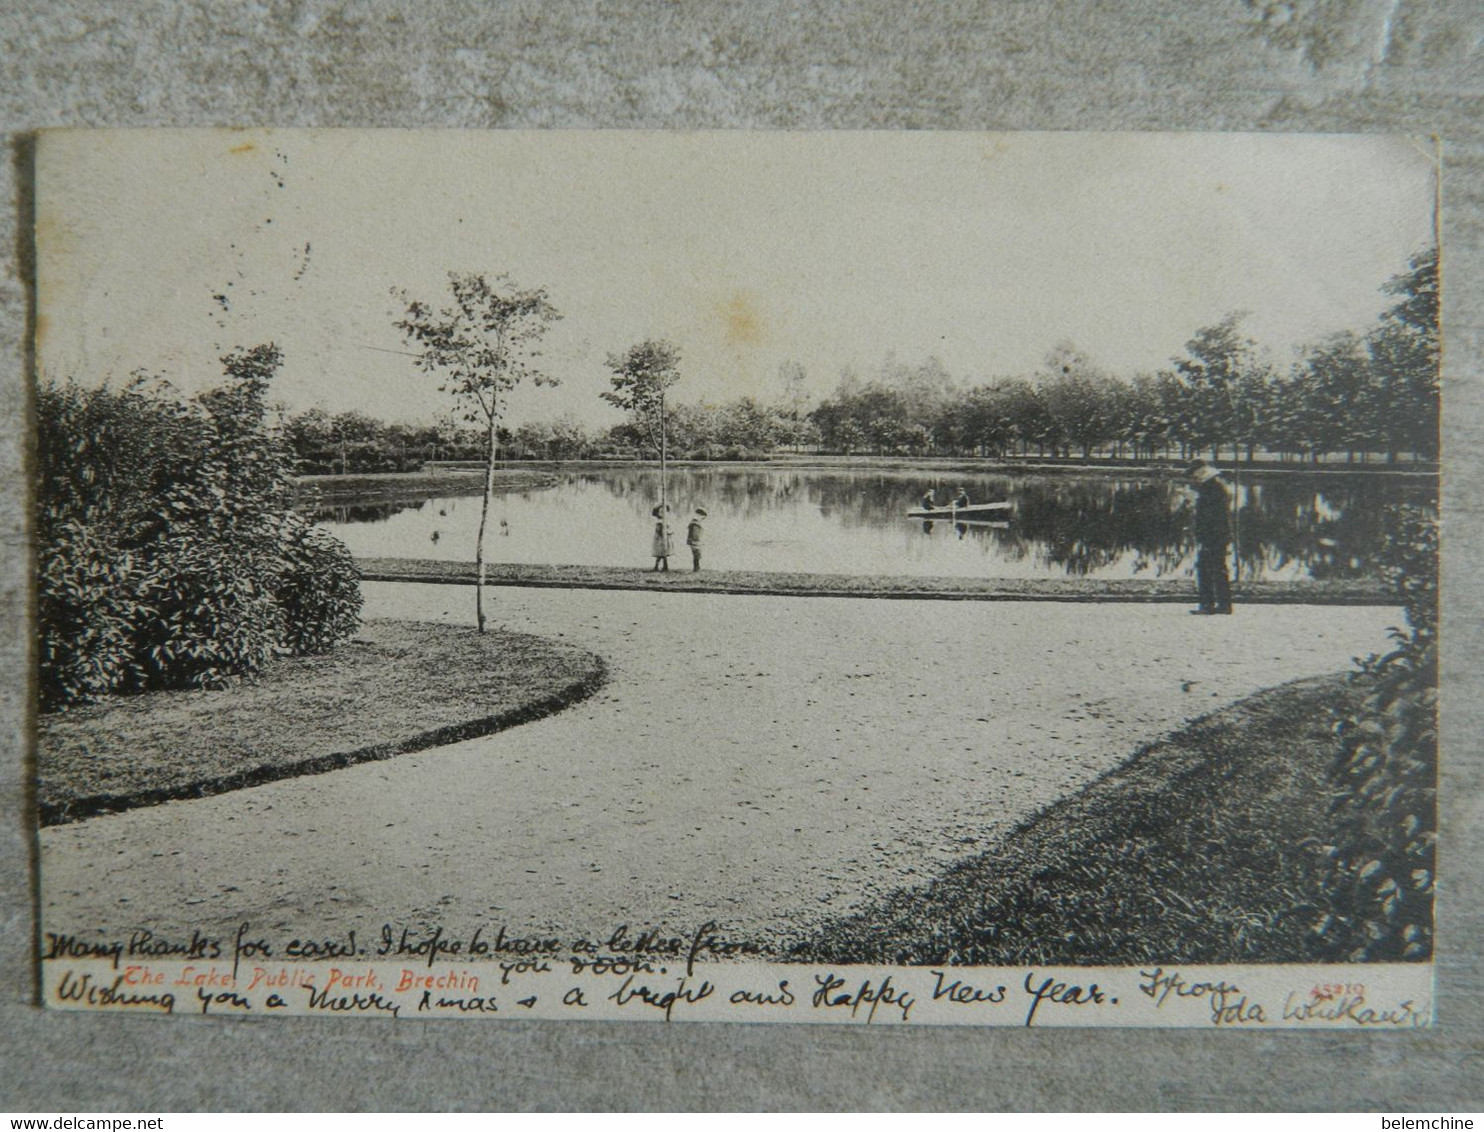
930, 578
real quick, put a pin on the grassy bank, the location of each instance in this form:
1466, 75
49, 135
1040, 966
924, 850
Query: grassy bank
918, 466
757, 582
1200, 849
393, 487
398, 687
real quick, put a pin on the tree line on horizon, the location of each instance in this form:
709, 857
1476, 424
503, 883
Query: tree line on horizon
1357, 395
1350, 393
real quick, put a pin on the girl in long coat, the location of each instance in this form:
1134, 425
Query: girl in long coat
663, 540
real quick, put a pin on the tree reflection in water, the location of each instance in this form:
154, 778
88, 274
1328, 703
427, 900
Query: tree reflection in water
1300, 525
1327, 526
359, 512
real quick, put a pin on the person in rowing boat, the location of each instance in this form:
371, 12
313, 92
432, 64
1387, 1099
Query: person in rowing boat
929, 503
962, 498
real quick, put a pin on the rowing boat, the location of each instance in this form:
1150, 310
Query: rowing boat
972, 511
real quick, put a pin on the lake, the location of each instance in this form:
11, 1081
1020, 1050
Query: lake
1292, 526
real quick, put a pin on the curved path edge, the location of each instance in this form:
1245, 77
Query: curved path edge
77, 809
1038, 842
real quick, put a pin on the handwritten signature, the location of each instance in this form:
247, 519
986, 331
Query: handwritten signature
1228, 1004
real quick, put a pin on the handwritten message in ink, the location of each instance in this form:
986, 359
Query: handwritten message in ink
653, 974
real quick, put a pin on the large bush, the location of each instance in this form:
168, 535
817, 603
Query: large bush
168, 555
319, 588
1380, 874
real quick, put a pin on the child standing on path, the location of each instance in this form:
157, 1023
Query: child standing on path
660, 547
693, 534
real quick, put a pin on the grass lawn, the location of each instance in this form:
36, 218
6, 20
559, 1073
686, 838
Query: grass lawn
1200, 849
398, 687
387, 487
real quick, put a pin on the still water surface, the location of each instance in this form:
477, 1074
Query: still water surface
1292, 526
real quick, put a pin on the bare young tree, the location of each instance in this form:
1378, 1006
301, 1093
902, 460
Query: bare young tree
483, 345
641, 376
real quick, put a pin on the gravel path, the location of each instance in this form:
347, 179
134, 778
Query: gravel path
764, 762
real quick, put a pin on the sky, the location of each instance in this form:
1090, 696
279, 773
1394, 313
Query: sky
160, 250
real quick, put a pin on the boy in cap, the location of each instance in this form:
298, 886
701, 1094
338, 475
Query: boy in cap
1213, 535
693, 533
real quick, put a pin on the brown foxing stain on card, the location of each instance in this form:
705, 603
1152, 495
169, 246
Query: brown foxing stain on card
740, 317
996, 147
245, 147
48, 231
54, 247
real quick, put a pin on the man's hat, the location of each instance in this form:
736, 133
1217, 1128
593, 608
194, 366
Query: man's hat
1200, 471
701, 511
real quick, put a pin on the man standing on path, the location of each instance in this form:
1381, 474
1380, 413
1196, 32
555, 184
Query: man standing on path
693, 535
1213, 535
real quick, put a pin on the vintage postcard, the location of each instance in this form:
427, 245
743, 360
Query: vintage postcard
864, 578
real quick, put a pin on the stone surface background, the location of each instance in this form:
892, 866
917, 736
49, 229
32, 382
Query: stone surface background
1326, 65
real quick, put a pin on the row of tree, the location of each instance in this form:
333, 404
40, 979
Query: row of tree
354, 443
1352, 394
